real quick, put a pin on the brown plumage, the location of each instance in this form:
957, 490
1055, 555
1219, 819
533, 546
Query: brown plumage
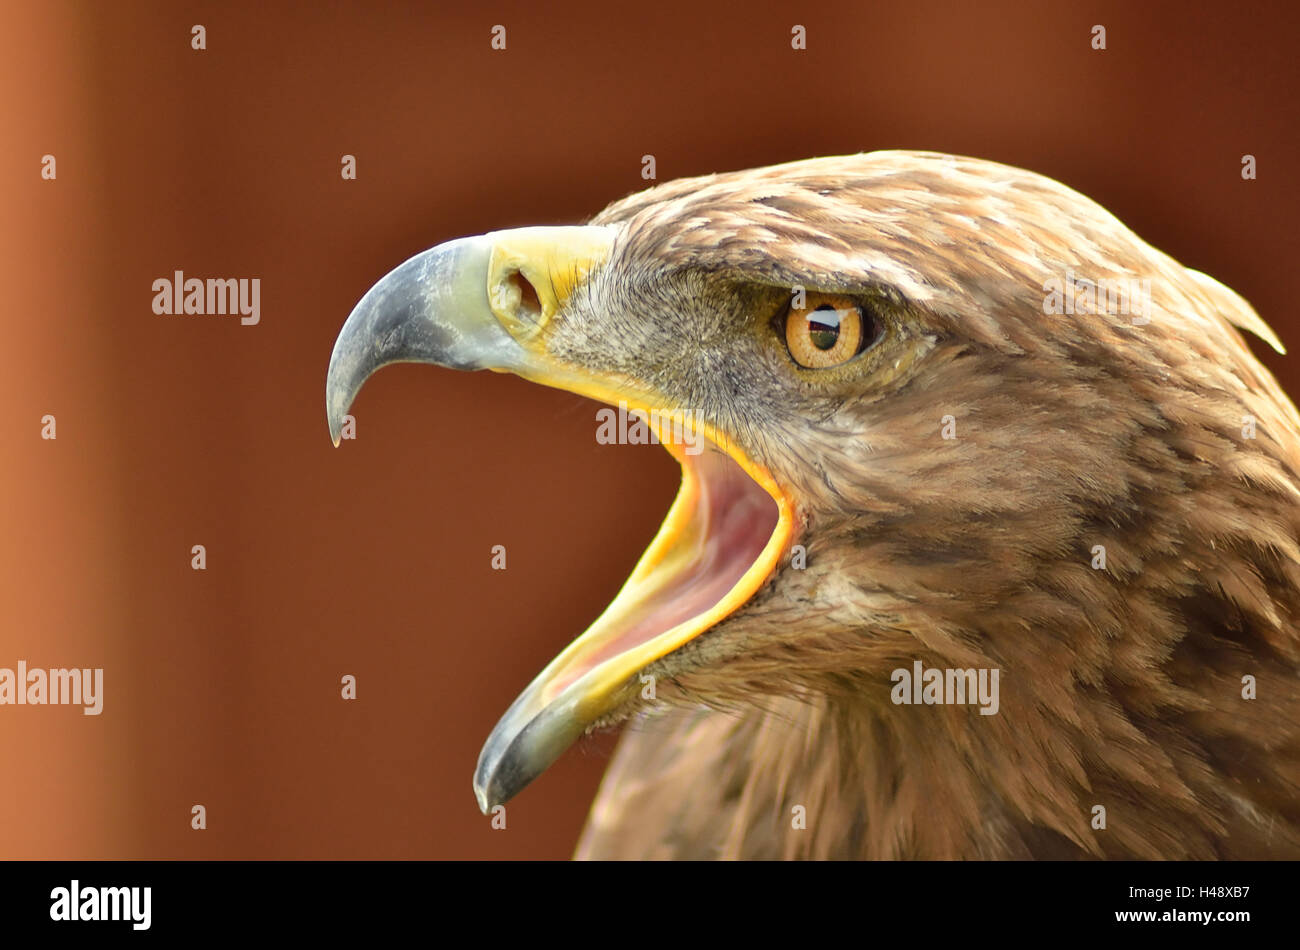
1121, 687
1101, 502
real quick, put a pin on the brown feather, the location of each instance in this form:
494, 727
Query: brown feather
1120, 687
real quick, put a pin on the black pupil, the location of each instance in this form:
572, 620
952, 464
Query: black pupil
824, 327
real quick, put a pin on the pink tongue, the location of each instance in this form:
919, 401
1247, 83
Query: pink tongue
734, 518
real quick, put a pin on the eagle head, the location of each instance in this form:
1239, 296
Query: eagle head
988, 522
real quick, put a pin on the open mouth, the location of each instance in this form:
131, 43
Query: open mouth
722, 538
719, 542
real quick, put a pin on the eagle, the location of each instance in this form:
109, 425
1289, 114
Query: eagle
987, 544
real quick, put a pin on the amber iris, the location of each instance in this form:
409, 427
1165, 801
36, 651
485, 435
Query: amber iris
826, 331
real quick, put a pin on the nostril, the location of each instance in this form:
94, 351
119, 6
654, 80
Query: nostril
530, 305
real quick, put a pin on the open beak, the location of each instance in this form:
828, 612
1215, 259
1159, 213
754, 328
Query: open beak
484, 303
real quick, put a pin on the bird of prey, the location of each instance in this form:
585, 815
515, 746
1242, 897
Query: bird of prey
964, 434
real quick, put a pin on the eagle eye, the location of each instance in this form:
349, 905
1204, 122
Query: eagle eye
827, 330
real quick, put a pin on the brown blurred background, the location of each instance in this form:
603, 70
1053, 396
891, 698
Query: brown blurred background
222, 687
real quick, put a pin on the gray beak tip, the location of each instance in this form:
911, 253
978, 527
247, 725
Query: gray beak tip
433, 308
524, 744
336, 407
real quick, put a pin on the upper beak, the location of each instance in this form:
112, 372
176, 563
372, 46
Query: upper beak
474, 303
